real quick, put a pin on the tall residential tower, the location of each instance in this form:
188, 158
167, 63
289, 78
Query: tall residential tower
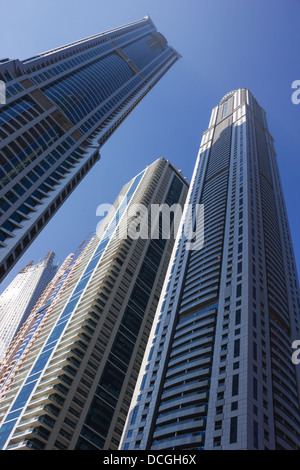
218, 370
17, 351
73, 388
61, 107
19, 298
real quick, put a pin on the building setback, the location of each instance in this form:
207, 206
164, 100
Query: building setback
61, 107
74, 388
19, 298
218, 370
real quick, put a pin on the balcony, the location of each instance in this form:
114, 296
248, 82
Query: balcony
30, 436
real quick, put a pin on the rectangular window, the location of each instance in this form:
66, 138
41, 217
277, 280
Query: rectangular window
235, 385
143, 382
233, 430
236, 351
254, 351
239, 267
134, 415
255, 434
151, 353
254, 388
238, 316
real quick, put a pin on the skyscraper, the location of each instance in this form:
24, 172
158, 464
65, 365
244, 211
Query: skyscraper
61, 107
218, 370
74, 387
17, 351
19, 298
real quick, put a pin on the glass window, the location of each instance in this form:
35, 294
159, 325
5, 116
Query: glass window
235, 385
233, 430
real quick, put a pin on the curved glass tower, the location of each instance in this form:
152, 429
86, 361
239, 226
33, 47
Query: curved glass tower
218, 370
61, 107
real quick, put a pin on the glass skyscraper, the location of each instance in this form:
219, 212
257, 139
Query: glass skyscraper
218, 370
73, 385
61, 107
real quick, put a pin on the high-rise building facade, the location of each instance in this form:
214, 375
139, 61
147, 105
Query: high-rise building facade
218, 370
73, 388
19, 298
17, 351
61, 107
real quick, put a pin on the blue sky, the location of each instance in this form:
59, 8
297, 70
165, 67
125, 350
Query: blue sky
225, 44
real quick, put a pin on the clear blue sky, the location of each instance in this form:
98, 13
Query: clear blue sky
225, 44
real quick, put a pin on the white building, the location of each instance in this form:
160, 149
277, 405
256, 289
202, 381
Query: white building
21, 295
217, 372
